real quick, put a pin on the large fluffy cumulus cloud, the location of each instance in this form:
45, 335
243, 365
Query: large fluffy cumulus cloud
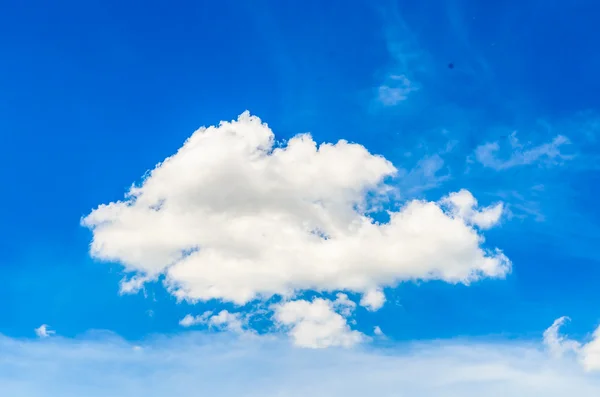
236, 216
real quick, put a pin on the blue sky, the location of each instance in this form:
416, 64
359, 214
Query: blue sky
95, 94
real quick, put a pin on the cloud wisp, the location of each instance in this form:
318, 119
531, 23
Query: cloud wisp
395, 90
521, 154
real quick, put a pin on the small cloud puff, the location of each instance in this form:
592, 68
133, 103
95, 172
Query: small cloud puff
319, 323
43, 331
373, 300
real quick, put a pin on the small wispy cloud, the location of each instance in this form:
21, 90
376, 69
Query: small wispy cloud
224, 320
428, 173
522, 204
190, 320
395, 90
487, 154
398, 79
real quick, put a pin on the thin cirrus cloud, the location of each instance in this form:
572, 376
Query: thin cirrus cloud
395, 90
521, 154
398, 80
234, 217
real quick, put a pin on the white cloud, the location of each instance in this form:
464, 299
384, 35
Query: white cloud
462, 204
133, 284
377, 331
588, 353
316, 324
192, 363
189, 320
43, 331
557, 344
373, 300
407, 60
232, 216
395, 90
230, 321
344, 305
224, 320
427, 174
486, 154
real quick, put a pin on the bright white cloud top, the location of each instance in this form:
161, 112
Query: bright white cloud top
236, 216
